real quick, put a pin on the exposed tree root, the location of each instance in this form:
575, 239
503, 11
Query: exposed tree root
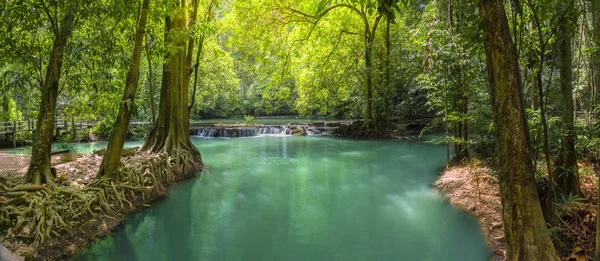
35, 213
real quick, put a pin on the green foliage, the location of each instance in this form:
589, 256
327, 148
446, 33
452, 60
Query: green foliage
138, 132
249, 119
104, 128
289, 57
453, 76
65, 145
587, 143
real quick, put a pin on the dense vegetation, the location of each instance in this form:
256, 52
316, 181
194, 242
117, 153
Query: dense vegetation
528, 71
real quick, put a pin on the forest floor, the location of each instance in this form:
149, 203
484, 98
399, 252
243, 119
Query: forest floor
67, 241
473, 186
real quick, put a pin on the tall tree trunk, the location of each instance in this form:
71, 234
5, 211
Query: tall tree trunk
388, 53
522, 214
596, 54
542, 103
565, 174
461, 151
369, 78
112, 157
39, 167
596, 73
150, 79
597, 253
156, 138
535, 85
369, 42
195, 87
535, 105
209, 13
170, 133
73, 130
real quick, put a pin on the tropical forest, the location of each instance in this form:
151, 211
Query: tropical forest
296, 130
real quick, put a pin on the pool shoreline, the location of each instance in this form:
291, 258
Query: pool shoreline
457, 186
72, 243
91, 227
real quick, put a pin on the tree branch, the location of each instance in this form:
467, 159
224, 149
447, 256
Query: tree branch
342, 32
52, 22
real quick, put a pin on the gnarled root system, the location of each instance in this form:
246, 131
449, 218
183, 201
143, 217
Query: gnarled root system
35, 213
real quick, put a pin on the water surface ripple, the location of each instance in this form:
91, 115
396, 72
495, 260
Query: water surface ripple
302, 199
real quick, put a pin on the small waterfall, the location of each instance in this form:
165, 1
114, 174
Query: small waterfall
272, 130
264, 130
205, 132
308, 131
240, 132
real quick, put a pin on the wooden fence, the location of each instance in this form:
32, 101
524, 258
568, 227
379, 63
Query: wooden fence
13, 127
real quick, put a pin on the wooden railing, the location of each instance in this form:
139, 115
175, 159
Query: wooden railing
14, 127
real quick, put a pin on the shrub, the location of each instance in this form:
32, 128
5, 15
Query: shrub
249, 119
138, 132
104, 128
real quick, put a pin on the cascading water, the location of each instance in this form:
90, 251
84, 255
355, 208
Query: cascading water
239, 132
262, 130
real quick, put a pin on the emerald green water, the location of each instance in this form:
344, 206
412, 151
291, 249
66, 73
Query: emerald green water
301, 199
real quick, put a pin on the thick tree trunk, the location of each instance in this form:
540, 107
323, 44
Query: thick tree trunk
596, 68
39, 167
522, 215
156, 138
597, 253
170, 133
565, 175
112, 157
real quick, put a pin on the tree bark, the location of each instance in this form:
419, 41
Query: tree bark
187, 74
112, 158
596, 73
73, 130
369, 42
565, 175
195, 86
39, 167
534, 81
150, 79
596, 54
369, 77
597, 253
522, 215
170, 133
160, 128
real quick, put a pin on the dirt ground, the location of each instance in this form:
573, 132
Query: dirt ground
473, 187
78, 174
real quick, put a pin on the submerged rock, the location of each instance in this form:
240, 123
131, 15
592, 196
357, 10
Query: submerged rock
298, 132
